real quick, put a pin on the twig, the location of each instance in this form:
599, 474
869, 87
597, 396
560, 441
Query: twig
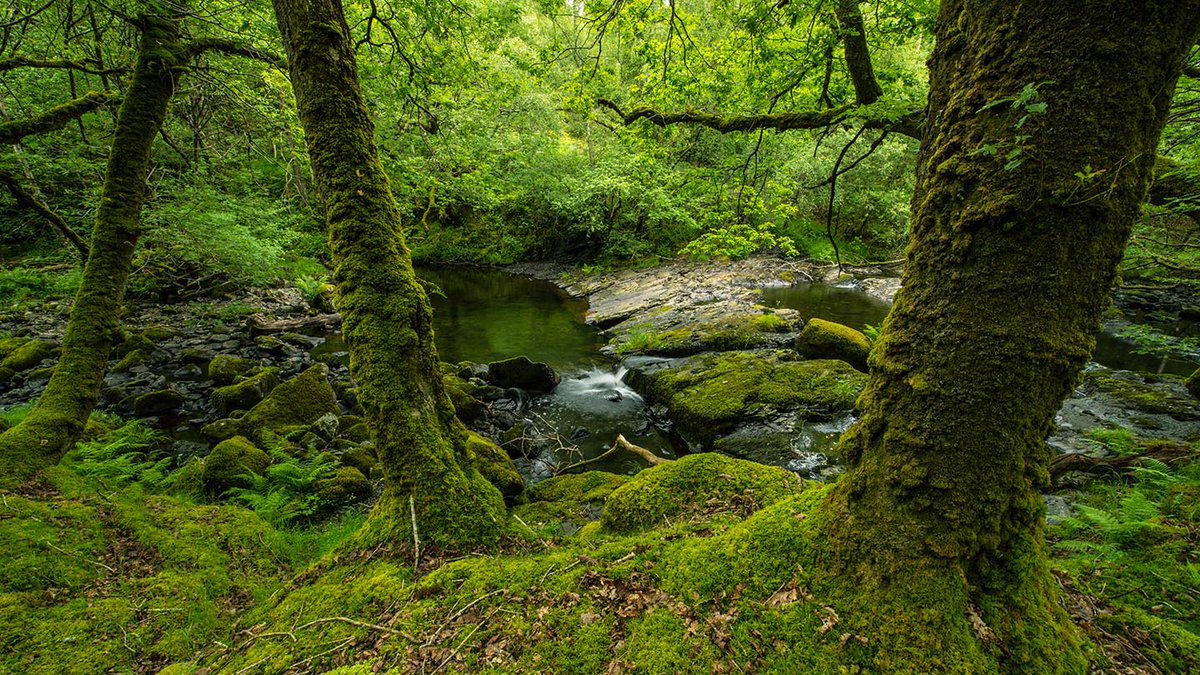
359, 624
412, 509
76, 555
454, 652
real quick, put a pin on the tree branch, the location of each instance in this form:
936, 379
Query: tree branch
53, 119
231, 48
908, 124
856, 52
30, 201
81, 66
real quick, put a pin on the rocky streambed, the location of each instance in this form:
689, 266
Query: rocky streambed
760, 359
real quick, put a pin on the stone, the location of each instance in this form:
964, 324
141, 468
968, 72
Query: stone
822, 339
521, 373
245, 394
158, 403
229, 463
225, 369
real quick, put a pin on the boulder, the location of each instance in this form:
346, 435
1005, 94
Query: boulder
225, 369
521, 373
247, 393
29, 355
230, 461
822, 339
347, 486
158, 403
299, 402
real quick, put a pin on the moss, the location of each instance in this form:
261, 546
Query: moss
230, 461
462, 396
298, 402
245, 394
822, 339
495, 465
1147, 396
696, 485
360, 458
746, 331
133, 342
346, 486
157, 402
225, 370
1192, 383
563, 504
28, 355
134, 358
707, 395
159, 333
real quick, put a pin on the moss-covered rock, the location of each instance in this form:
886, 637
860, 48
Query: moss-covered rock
10, 344
133, 342
1145, 393
563, 504
462, 396
225, 369
159, 333
134, 358
521, 373
1192, 383
361, 458
230, 461
744, 331
347, 486
247, 393
708, 395
29, 355
221, 430
696, 485
158, 402
495, 465
298, 402
823, 339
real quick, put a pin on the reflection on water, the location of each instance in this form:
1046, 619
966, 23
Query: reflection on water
487, 315
852, 307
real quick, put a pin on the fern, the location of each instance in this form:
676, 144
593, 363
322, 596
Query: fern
284, 493
122, 456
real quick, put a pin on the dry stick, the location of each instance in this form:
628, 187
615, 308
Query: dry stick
621, 444
450, 619
412, 509
359, 624
462, 642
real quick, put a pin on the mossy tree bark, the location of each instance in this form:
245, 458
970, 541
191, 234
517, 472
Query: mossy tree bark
386, 317
938, 524
58, 419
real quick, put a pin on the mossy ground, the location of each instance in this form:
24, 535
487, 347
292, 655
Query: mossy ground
706, 564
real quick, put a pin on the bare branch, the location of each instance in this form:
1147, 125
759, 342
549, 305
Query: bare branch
30, 201
81, 66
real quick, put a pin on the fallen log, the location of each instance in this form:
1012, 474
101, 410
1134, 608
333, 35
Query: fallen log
260, 325
1168, 453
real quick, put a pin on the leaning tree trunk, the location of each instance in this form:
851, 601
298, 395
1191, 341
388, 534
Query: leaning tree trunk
58, 419
386, 318
1023, 206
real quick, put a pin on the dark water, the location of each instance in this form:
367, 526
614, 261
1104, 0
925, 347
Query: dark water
852, 307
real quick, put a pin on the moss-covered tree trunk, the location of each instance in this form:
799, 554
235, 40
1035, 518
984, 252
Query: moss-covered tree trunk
386, 317
57, 420
1023, 206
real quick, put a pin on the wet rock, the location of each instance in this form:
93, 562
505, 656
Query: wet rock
225, 369
229, 463
521, 373
197, 355
822, 339
247, 393
189, 372
158, 403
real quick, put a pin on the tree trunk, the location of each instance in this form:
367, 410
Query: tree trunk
1020, 216
64, 407
386, 318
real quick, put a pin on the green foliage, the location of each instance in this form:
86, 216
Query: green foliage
738, 241
285, 494
19, 284
130, 453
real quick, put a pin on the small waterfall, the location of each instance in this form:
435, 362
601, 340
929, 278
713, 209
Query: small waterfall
598, 383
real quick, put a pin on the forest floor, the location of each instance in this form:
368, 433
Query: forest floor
124, 559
